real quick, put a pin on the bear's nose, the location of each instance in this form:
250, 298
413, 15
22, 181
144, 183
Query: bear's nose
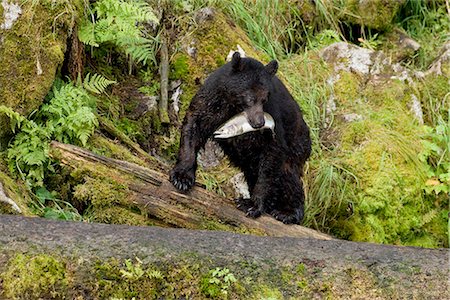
259, 122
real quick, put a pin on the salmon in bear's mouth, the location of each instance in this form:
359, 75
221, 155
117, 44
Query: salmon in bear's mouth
239, 125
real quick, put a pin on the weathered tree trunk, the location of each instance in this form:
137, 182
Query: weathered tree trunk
84, 257
164, 70
153, 193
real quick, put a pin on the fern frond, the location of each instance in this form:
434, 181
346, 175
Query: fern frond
16, 120
120, 22
86, 34
96, 83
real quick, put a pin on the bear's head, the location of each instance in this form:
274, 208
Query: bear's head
249, 85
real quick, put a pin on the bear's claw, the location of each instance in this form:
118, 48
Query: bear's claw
253, 212
183, 181
288, 218
243, 204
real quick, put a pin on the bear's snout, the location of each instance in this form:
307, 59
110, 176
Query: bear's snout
258, 122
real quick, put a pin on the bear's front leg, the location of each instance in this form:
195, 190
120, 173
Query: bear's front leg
182, 176
198, 126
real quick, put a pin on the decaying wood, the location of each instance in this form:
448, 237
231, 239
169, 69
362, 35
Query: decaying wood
164, 70
154, 194
109, 127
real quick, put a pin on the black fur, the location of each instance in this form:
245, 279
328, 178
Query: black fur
272, 163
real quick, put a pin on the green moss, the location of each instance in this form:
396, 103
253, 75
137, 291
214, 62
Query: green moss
433, 92
107, 201
213, 40
33, 277
264, 292
26, 50
15, 190
103, 146
376, 14
179, 68
364, 179
147, 281
381, 150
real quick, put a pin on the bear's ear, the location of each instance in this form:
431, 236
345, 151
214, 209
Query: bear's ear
272, 67
236, 61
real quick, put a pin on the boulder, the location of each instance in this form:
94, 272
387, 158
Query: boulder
32, 44
375, 14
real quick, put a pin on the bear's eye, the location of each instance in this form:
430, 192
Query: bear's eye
249, 99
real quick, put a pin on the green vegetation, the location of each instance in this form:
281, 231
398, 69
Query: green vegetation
69, 117
217, 283
32, 277
27, 276
115, 23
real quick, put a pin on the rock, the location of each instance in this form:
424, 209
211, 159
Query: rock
371, 66
400, 46
352, 117
204, 15
375, 14
210, 155
33, 41
416, 108
240, 186
11, 13
441, 65
78, 260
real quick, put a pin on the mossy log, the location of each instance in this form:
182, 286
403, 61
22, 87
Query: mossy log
49, 259
152, 193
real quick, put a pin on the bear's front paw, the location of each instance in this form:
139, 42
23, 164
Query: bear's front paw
294, 217
181, 179
253, 212
243, 204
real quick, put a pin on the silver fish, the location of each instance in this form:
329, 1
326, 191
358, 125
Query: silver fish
238, 125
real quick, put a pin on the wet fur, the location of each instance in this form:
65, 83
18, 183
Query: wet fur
272, 164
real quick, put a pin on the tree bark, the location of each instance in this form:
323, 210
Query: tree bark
164, 70
151, 191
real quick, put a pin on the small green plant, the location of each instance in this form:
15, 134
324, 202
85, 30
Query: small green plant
371, 43
134, 271
50, 207
119, 22
436, 155
323, 39
217, 282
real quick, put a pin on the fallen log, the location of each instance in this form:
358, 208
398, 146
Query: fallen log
151, 192
43, 259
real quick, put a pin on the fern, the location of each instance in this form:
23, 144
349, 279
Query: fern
16, 120
96, 83
120, 22
69, 117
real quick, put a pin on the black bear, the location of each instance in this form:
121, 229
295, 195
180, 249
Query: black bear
272, 163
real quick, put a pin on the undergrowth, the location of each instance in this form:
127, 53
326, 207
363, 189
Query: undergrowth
68, 116
121, 24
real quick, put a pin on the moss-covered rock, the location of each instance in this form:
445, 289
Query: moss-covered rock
375, 14
92, 261
16, 191
365, 180
31, 50
35, 277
